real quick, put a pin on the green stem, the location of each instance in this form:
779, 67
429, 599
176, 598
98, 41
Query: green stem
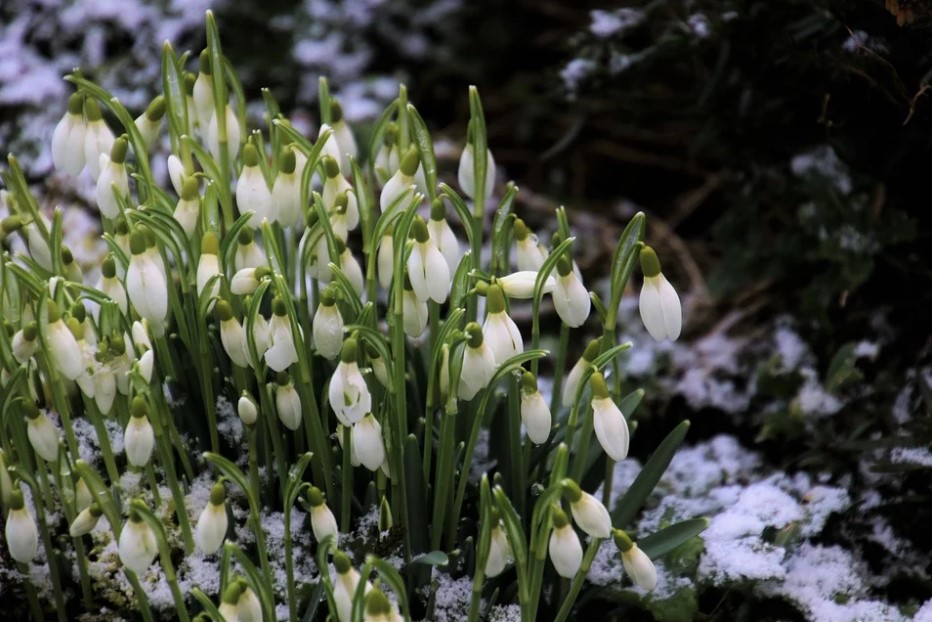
578, 580
346, 495
559, 368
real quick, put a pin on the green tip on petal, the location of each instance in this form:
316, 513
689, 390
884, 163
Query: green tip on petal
92, 110
410, 162
528, 382
650, 264
438, 209
599, 388
137, 242
341, 562
203, 64
189, 188
210, 245
622, 541
331, 166
54, 312
245, 236
139, 407
156, 110
250, 155
76, 103
521, 230
474, 334
419, 230
377, 603
287, 161
108, 267
349, 352
560, 519
592, 350
336, 112
218, 494
119, 149
278, 307
315, 497
224, 311
571, 490
496, 299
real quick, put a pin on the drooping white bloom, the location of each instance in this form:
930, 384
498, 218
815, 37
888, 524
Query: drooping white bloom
588, 512
466, 174
443, 236
247, 410
534, 410
287, 402
479, 363
335, 185
145, 283
139, 438
110, 285
331, 148
414, 314
82, 495
328, 326
427, 269
343, 135
610, 426
113, 180
530, 253
367, 442
229, 600
520, 285
68, 138
349, 395
281, 353
148, 122
286, 192
565, 549
188, 208
138, 546
145, 365
659, 304
323, 522
500, 331
247, 280
212, 523
636, 562
208, 266
571, 386
248, 254
232, 335
570, 298
260, 338
85, 521
25, 342
379, 608
377, 363
22, 537
105, 389
387, 159
98, 138
252, 192
386, 259
63, 346
203, 94
351, 268
500, 554
43, 435
402, 182
176, 173
344, 587
249, 608
233, 135
319, 261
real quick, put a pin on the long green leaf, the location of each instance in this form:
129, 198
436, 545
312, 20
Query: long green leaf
660, 543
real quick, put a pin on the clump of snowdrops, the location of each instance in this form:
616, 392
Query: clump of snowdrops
356, 310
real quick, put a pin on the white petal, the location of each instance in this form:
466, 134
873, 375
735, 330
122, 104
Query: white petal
175, 172
536, 417
252, 194
22, 537
477, 369
43, 436
571, 300
499, 553
672, 309
610, 428
417, 274
640, 568
352, 271
328, 331
64, 350
139, 441
368, 444
68, 144
232, 336
138, 546
386, 261
437, 273
521, 284
324, 523
211, 528
565, 551
502, 335
399, 185
414, 315
571, 385
282, 353
592, 517
288, 404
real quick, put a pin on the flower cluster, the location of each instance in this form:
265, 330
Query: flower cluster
328, 294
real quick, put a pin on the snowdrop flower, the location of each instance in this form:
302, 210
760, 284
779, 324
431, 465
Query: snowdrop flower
323, 522
379, 608
248, 254
68, 138
530, 252
110, 285
113, 180
144, 366
232, 335
70, 267
208, 265
287, 402
565, 549
22, 537
82, 495
188, 208
252, 193
139, 438
286, 191
86, 520
500, 553
331, 148
610, 426
328, 326
521, 284
571, 386
660, 306
246, 281
349, 396
386, 258
427, 269
145, 283
319, 261
387, 158
636, 562
343, 135
204, 92
479, 363
228, 602
377, 363
281, 353
25, 342
42, 433
176, 173
260, 338
570, 297
500, 331
247, 410
38, 246
105, 389
148, 122
467, 174
214, 143
212, 523
334, 186
138, 546
340, 431
248, 609
402, 182
534, 410
63, 346
350, 267
588, 512
98, 138
414, 312
344, 587
443, 236
367, 443
6, 482
338, 217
